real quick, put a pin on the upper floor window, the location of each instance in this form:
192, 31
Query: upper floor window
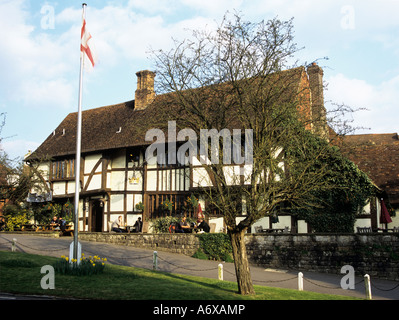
63, 169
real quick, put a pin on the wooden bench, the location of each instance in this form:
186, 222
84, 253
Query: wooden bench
364, 230
29, 227
68, 231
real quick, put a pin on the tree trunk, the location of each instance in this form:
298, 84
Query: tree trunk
243, 273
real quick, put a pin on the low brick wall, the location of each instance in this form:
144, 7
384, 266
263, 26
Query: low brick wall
374, 254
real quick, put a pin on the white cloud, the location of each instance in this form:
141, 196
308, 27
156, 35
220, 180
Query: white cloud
381, 101
19, 148
36, 63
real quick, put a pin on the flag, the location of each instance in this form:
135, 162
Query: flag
86, 45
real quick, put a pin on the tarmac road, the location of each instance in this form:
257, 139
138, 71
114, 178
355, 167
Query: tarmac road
175, 263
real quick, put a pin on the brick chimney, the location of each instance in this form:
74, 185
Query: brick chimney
145, 93
315, 74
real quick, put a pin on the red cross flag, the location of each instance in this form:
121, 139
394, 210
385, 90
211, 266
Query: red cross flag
86, 45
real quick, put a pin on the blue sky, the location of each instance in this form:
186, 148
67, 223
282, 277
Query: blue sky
39, 54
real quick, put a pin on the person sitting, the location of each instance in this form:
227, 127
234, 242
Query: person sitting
184, 226
203, 225
62, 224
116, 225
55, 225
138, 225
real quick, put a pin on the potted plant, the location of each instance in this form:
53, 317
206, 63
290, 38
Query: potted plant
139, 206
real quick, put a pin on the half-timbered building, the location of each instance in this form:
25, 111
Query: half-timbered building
116, 176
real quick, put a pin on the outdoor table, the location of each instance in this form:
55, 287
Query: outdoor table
272, 230
28, 227
196, 229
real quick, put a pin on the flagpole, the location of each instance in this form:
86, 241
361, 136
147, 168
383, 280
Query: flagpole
78, 149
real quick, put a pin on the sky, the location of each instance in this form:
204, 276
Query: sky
355, 42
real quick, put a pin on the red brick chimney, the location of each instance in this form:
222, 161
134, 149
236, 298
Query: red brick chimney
145, 93
315, 74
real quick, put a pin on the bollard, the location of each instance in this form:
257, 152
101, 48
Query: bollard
368, 286
79, 253
155, 261
220, 271
13, 245
300, 281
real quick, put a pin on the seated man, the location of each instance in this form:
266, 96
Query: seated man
55, 225
203, 225
184, 226
138, 225
62, 224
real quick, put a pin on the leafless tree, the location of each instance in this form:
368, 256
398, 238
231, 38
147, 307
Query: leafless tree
233, 77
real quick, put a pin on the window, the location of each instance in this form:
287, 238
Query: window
157, 210
63, 169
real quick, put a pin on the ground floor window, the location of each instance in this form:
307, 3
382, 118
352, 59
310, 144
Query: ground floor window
169, 204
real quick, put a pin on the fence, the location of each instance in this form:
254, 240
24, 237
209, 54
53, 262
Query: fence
157, 261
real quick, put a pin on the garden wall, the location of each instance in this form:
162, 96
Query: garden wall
180, 243
374, 254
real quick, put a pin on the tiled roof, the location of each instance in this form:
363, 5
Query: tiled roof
120, 125
378, 156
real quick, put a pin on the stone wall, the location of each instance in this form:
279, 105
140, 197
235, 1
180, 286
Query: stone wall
374, 254
176, 242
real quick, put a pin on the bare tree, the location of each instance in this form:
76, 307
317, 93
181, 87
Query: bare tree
233, 78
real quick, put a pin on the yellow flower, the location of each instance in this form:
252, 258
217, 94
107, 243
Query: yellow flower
94, 264
66, 258
105, 259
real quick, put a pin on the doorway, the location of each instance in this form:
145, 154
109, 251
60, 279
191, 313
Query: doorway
97, 216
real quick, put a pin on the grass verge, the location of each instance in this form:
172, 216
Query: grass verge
21, 273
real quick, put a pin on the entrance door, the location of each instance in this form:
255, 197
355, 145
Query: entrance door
97, 216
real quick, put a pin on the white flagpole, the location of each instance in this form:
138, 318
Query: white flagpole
78, 148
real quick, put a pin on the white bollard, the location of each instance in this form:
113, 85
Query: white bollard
368, 286
13, 245
155, 261
220, 271
300, 281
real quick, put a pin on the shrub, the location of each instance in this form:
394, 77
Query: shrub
161, 225
216, 246
15, 217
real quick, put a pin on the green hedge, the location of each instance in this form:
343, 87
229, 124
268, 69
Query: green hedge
214, 246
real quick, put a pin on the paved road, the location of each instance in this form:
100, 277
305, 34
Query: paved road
170, 262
